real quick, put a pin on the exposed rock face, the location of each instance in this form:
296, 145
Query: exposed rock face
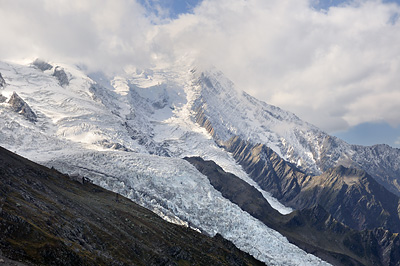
2, 81
2, 98
381, 162
351, 196
115, 146
203, 121
282, 179
62, 77
42, 65
367, 247
21, 107
46, 218
313, 229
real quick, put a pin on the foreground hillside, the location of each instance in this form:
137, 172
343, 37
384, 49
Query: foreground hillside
46, 218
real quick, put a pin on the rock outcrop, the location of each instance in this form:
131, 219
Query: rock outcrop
61, 76
42, 65
20, 106
2, 81
2, 98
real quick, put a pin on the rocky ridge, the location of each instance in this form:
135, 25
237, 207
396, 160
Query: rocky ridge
2, 98
2, 81
313, 228
351, 196
18, 105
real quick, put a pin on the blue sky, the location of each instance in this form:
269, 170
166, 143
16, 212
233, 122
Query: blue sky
371, 133
325, 4
177, 7
173, 7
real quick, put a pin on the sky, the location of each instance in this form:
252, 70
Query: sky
335, 64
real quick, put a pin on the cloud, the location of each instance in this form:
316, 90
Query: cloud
102, 33
335, 68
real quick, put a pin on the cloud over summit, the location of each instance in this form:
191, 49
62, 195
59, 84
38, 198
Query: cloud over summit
335, 67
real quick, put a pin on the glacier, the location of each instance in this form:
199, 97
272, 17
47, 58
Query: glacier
174, 189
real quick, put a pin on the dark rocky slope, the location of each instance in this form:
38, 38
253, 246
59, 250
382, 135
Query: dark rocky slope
351, 196
20, 106
42, 65
61, 76
312, 229
2, 81
2, 84
46, 218
2, 98
385, 170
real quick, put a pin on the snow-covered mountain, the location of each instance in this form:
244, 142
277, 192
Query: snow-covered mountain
227, 112
129, 133
106, 130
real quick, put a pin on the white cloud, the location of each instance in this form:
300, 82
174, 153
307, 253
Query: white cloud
103, 33
334, 68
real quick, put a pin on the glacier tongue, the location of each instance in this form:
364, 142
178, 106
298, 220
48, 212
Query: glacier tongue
173, 186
